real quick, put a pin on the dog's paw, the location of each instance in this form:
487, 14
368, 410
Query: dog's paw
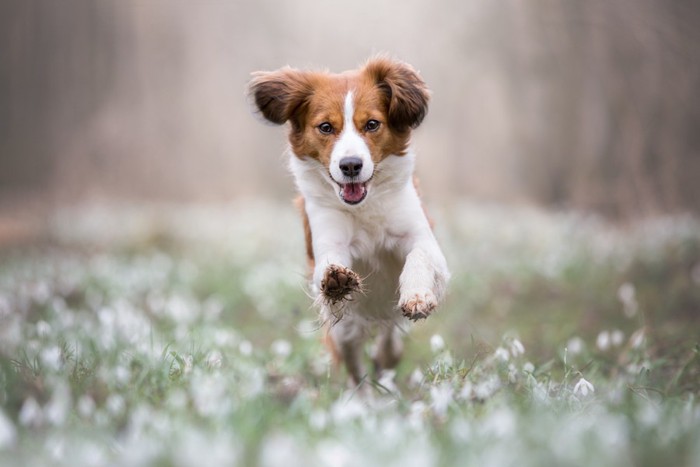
338, 283
418, 305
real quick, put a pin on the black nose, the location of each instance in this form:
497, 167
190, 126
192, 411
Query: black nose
351, 166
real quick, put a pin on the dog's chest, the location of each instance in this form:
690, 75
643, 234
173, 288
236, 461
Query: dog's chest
373, 237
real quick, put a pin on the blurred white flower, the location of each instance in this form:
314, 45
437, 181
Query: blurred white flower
441, 397
335, 454
245, 348
467, 391
122, 374
583, 387
516, 348
461, 430
416, 377
189, 363
282, 348
437, 343
58, 407
637, 338
214, 359
51, 357
499, 422
501, 354
318, 419
8, 432
31, 414
208, 391
512, 373
627, 295
43, 328
387, 380
85, 406
575, 345
115, 404
617, 337
487, 387
347, 408
603, 341
528, 367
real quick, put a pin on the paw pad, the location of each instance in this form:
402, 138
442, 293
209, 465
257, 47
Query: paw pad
338, 282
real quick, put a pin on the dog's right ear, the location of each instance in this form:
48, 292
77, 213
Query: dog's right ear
280, 95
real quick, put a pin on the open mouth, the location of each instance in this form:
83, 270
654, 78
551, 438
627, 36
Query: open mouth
353, 193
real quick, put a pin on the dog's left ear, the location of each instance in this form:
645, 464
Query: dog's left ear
405, 91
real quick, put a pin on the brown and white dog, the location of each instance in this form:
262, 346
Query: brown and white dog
368, 238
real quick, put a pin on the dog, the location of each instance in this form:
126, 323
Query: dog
370, 245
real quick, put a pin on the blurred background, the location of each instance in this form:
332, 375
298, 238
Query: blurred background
588, 105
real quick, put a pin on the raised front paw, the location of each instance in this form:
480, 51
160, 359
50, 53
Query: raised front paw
338, 283
418, 305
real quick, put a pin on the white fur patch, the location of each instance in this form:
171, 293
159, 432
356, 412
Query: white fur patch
350, 143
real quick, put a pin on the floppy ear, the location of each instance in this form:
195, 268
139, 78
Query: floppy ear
405, 92
280, 95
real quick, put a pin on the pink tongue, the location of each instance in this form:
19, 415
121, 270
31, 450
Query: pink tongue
353, 192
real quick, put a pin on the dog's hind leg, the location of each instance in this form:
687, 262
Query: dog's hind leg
346, 338
388, 349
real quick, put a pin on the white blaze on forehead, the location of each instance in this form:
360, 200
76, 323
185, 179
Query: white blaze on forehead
349, 113
350, 143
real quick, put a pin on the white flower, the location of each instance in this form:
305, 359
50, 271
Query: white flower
318, 419
8, 433
31, 413
441, 397
637, 338
214, 359
487, 387
416, 378
388, 381
86, 406
575, 345
617, 337
245, 348
282, 348
583, 387
528, 367
501, 354
512, 373
43, 329
603, 341
626, 295
51, 357
437, 343
516, 348
58, 408
115, 404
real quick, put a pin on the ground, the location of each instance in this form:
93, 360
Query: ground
152, 335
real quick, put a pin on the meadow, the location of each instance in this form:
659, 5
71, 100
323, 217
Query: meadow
156, 336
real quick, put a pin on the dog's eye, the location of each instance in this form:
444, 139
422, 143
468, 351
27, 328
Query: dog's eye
372, 125
325, 128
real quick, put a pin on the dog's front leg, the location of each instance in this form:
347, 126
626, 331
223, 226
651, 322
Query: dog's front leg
333, 280
424, 277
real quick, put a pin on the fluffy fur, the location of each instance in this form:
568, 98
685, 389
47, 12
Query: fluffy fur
370, 246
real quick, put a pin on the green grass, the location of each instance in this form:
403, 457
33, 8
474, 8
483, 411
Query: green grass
192, 342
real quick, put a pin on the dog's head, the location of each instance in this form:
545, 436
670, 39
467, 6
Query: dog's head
348, 122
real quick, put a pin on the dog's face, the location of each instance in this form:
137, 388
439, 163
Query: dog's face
348, 123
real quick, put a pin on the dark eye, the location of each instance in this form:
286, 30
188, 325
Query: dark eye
325, 128
372, 125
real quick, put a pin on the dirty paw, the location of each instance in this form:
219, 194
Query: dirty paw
338, 282
418, 306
